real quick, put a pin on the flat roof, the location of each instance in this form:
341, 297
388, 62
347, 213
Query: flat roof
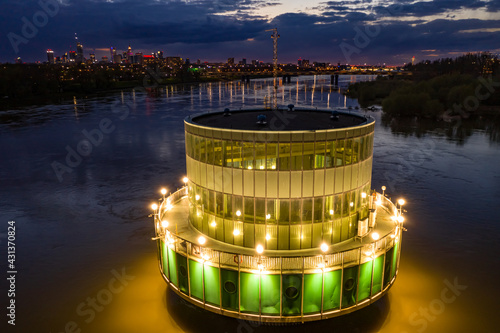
279, 120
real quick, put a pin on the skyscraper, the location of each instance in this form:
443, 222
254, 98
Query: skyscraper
50, 56
79, 50
129, 54
112, 52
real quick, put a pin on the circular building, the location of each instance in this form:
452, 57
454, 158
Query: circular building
277, 221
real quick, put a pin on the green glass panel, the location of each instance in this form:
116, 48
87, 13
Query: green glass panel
394, 259
292, 294
365, 280
164, 257
349, 286
196, 279
172, 267
333, 282
387, 266
313, 285
212, 288
306, 236
377, 274
183, 273
229, 289
249, 292
197, 140
270, 294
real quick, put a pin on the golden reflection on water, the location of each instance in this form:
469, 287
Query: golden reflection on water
148, 305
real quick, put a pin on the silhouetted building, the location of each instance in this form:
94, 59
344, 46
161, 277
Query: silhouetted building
50, 56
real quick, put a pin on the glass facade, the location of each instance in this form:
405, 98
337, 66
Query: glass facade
281, 156
286, 191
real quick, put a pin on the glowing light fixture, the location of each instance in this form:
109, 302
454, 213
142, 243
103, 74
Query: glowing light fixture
260, 267
154, 206
213, 224
185, 180
236, 232
268, 237
375, 236
351, 204
331, 211
401, 219
163, 191
363, 195
261, 167
238, 213
273, 167
268, 216
250, 167
259, 249
202, 240
324, 247
197, 197
164, 224
401, 202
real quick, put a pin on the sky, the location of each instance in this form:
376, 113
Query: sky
351, 31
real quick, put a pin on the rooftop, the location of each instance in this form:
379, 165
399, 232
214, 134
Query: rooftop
280, 120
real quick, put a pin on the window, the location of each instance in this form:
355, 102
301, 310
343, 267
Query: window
307, 210
284, 157
339, 153
320, 157
296, 159
272, 155
249, 210
284, 212
260, 155
318, 209
309, 158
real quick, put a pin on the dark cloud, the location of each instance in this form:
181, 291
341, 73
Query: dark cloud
215, 30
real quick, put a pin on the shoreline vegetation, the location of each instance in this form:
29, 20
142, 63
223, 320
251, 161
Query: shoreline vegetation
445, 89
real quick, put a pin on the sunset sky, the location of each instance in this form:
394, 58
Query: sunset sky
215, 30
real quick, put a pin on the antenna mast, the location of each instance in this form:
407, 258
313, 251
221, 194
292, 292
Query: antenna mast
275, 37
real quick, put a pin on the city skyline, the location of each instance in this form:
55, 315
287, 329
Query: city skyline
355, 31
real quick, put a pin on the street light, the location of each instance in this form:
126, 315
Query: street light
383, 190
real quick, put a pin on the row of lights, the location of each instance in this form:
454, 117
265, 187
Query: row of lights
260, 249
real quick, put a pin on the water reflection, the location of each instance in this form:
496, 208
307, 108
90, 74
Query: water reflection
72, 233
369, 319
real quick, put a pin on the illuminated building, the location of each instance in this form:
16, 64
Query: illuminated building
112, 53
230, 61
277, 221
72, 56
92, 58
129, 55
50, 56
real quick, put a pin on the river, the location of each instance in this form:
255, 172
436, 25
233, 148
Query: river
83, 232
